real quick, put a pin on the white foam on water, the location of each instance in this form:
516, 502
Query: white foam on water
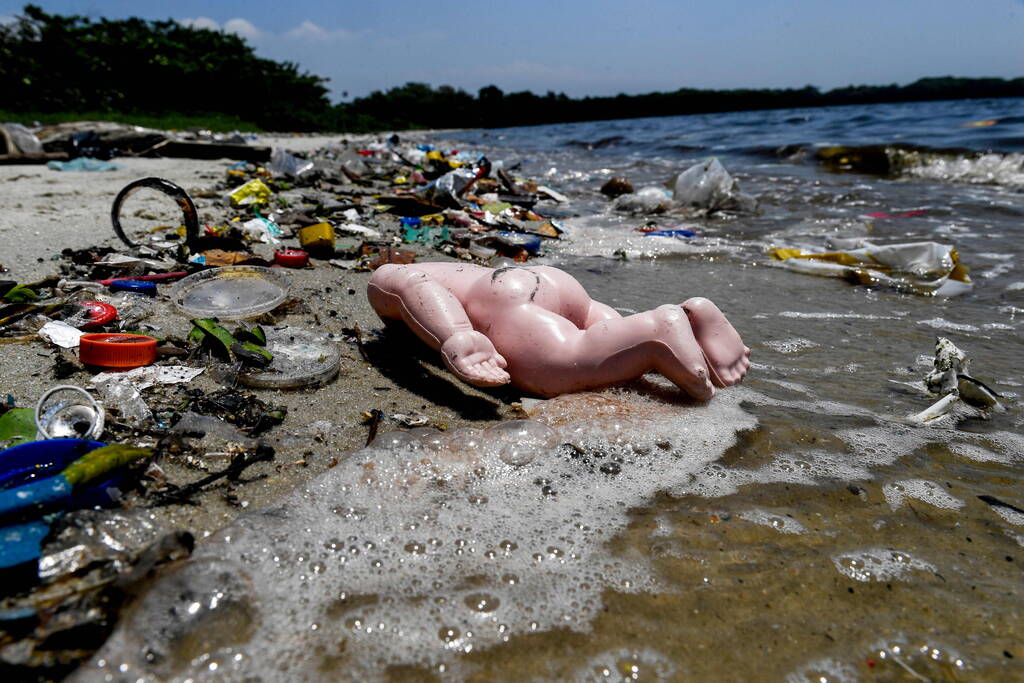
979, 453
625, 666
1011, 516
825, 670
943, 324
878, 564
993, 168
780, 522
897, 492
794, 345
608, 234
428, 545
837, 316
899, 655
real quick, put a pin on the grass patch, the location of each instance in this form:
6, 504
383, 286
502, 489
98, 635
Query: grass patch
218, 123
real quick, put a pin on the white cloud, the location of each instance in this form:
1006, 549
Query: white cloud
243, 28
200, 23
307, 30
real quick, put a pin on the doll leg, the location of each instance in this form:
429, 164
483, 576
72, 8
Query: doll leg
549, 355
434, 314
727, 357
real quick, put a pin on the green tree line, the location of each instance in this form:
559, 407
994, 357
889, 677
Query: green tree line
52, 64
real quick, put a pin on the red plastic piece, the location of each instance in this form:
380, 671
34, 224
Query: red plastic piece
99, 313
291, 258
117, 350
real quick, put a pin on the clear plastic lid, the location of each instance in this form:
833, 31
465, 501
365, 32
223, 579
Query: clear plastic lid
231, 292
301, 358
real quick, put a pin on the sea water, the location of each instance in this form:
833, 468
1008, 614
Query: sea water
797, 527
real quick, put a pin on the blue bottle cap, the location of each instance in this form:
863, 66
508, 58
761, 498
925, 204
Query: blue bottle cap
136, 286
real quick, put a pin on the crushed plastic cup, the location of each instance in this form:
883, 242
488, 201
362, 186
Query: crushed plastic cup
231, 292
68, 412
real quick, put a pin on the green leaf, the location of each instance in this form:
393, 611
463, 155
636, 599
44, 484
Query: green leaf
17, 426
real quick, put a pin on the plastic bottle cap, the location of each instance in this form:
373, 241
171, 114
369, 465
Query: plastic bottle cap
291, 258
117, 350
136, 286
99, 313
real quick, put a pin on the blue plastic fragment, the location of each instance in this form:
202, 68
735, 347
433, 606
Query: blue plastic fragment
136, 286
21, 543
531, 243
671, 233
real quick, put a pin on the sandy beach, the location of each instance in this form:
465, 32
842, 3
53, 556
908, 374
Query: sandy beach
46, 211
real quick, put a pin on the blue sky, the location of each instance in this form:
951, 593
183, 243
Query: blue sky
602, 47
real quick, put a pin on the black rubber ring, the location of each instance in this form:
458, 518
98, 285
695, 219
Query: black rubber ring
188, 207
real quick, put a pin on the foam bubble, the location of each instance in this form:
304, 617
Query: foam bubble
781, 523
625, 665
425, 546
878, 564
794, 345
897, 492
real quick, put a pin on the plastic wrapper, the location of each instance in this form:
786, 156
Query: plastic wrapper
253, 192
919, 267
123, 397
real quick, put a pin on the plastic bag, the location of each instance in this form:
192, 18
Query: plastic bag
288, 165
709, 186
23, 139
649, 199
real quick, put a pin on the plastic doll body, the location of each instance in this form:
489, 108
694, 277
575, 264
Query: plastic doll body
536, 327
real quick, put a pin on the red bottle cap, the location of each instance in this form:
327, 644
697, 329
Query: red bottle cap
117, 350
99, 313
291, 258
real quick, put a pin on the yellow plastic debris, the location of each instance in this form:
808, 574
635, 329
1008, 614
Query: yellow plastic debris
253, 192
319, 237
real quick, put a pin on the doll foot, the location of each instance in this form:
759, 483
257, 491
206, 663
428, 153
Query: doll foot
472, 357
727, 358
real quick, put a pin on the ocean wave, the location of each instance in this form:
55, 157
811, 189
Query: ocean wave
913, 161
610, 141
